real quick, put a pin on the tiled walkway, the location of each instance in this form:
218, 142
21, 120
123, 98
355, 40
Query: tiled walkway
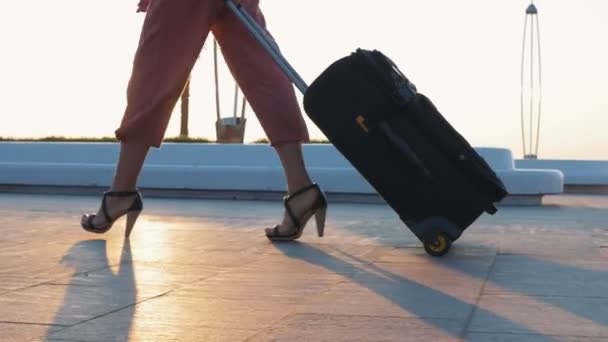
198, 270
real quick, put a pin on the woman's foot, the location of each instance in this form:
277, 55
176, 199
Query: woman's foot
299, 208
114, 204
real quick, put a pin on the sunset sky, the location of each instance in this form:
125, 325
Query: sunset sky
65, 64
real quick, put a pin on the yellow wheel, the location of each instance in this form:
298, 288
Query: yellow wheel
438, 246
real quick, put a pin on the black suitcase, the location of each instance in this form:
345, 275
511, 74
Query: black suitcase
398, 141
396, 138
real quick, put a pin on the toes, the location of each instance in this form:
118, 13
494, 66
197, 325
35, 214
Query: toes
272, 231
85, 220
88, 221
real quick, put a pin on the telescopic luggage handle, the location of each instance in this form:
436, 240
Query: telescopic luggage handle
268, 43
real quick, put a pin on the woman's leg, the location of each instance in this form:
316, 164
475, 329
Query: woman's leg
292, 160
297, 177
171, 40
272, 97
172, 37
130, 162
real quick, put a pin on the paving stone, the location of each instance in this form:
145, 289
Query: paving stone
324, 327
315, 262
565, 316
482, 337
70, 304
10, 283
88, 294
284, 288
171, 317
401, 290
368, 303
46, 267
436, 276
550, 244
202, 270
542, 276
467, 259
140, 276
18, 332
125, 325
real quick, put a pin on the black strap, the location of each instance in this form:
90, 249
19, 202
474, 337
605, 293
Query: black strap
302, 190
103, 207
292, 216
120, 193
114, 194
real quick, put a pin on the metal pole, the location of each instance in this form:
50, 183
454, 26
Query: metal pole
523, 53
270, 46
185, 110
540, 95
531, 80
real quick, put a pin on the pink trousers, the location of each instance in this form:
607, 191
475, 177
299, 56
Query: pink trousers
172, 37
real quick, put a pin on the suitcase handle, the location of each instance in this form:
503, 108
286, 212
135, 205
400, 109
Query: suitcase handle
405, 150
268, 43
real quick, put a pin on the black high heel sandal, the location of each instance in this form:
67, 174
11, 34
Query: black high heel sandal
132, 213
318, 209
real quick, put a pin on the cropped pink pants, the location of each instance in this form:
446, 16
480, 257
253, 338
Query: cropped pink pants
172, 37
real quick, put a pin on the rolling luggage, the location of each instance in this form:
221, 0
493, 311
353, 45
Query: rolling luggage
398, 141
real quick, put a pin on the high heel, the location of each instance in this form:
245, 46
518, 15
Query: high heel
318, 209
131, 218
132, 213
320, 221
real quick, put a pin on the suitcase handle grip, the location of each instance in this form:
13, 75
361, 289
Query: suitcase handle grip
405, 150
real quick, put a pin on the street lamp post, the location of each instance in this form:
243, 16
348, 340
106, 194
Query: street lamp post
531, 93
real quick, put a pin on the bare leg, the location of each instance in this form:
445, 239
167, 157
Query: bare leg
130, 163
292, 160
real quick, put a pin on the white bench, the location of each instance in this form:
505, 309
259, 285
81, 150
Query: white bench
579, 175
221, 167
530, 181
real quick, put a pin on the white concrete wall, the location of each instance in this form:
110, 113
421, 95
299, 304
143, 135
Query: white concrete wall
221, 167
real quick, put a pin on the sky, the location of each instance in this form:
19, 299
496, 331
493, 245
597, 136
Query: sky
65, 65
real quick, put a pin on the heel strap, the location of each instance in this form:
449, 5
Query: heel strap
292, 216
136, 202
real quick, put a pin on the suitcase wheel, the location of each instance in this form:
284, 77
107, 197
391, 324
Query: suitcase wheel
438, 246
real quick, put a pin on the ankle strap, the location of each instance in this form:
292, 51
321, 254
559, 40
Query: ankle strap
302, 190
120, 193
137, 203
